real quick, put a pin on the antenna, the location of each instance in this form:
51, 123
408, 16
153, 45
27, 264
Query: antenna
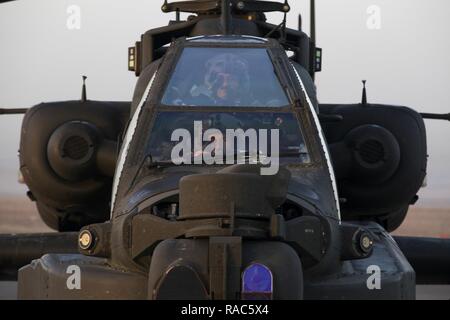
313, 21
312, 40
83, 91
364, 94
286, 9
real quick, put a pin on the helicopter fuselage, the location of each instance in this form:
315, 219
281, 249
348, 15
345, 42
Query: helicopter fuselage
181, 227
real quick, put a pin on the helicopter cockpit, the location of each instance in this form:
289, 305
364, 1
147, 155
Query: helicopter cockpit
215, 101
223, 77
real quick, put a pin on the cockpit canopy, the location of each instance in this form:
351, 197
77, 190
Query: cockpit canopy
209, 76
224, 77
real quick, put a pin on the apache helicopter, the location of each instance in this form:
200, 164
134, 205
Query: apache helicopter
140, 225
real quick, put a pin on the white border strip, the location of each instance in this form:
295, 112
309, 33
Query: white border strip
126, 142
322, 141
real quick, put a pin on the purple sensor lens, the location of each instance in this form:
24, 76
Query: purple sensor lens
257, 282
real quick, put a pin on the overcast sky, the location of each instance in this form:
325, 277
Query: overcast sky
404, 55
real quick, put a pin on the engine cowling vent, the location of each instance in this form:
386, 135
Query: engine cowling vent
71, 150
372, 152
76, 148
375, 154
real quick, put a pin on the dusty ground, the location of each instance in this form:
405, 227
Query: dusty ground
423, 222
19, 215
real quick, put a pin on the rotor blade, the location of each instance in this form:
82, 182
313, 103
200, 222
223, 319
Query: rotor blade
429, 257
13, 110
436, 116
18, 250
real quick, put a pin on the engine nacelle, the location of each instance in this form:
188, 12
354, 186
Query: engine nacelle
67, 157
379, 154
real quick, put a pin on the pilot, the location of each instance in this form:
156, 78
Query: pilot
226, 82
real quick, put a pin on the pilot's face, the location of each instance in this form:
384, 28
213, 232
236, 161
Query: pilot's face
227, 86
